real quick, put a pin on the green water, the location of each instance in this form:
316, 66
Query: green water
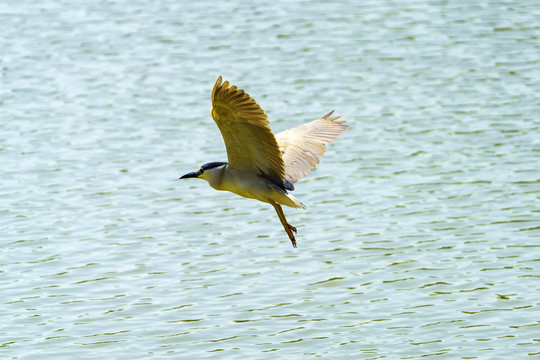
421, 237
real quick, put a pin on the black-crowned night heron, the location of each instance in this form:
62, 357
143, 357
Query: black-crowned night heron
263, 166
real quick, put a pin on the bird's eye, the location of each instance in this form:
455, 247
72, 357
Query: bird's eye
201, 171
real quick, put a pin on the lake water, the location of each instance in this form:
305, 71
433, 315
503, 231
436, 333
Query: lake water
422, 234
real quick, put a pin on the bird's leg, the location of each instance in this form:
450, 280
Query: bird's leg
288, 227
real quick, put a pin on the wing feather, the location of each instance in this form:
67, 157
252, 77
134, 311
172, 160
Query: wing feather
251, 145
303, 146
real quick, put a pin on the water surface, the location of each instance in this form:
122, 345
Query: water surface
422, 229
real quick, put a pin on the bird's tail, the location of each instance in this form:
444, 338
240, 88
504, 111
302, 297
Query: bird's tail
282, 196
296, 202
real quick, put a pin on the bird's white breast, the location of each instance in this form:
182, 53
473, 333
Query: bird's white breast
248, 185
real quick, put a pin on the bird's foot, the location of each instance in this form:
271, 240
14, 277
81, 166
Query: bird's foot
291, 236
293, 241
292, 228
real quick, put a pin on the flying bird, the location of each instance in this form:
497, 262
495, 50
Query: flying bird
261, 165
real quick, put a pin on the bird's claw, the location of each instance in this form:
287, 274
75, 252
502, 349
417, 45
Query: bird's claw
291, 236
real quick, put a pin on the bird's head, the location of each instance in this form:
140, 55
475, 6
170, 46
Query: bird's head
205, 171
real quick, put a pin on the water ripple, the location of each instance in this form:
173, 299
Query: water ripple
421, 234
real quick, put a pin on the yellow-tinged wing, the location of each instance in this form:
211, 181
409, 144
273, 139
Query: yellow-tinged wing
303, 146
251, 145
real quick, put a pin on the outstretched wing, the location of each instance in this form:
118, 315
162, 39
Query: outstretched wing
251, 145
303, 146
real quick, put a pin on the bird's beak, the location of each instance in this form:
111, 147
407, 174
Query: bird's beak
190, 175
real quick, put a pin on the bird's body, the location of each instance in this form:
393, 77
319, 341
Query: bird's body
263, 166
249, 185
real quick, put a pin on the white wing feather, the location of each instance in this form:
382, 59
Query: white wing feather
303, 146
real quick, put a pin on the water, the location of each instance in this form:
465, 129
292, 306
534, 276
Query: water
422, 230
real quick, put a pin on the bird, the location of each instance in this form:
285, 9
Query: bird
261, 165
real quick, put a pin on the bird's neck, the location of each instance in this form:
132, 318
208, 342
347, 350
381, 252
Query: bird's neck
215, 176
